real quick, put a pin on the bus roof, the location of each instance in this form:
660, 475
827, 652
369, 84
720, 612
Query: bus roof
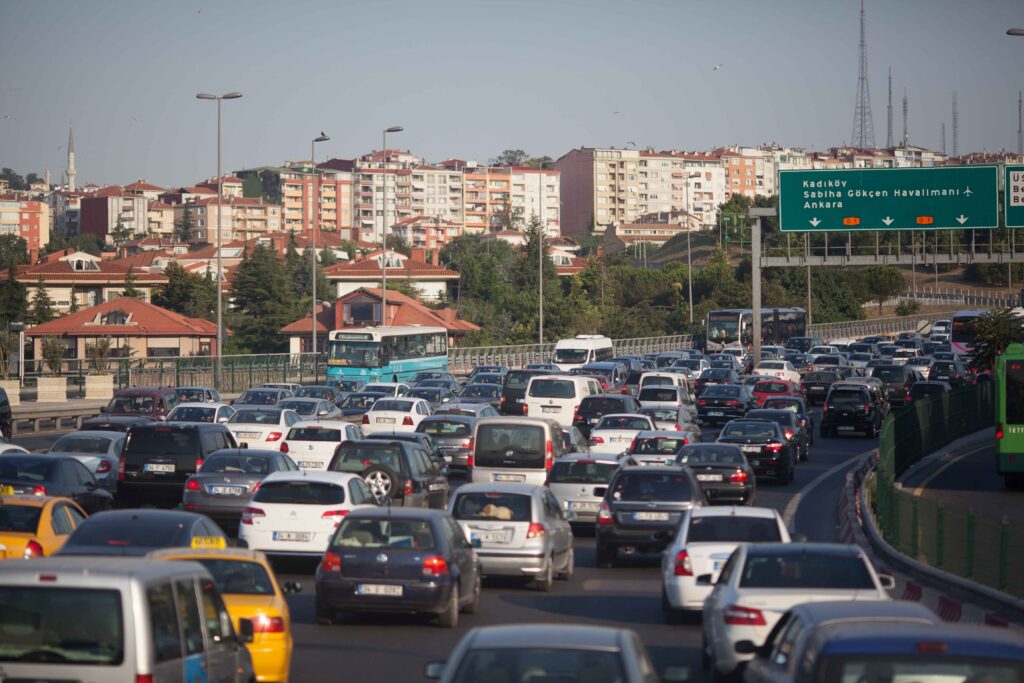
968, 314
376, 333
763, 309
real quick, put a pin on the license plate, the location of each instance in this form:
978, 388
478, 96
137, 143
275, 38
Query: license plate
493, 536
651, 516
755, 463
509, 477
816, 388
248, 435
716, 413
386, 420
620, 439
709, 477
550, 409
845, 428
310, 465
300, 536
520, 400
379, 589
750, 449
157, 467
594, 420
583, 506
227, 490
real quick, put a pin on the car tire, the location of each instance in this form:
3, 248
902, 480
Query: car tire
382, 481
449, 618
569, 568
325, 616
543, 581
473, 606
605, 557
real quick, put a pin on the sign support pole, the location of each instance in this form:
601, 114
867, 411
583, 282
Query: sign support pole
755, 276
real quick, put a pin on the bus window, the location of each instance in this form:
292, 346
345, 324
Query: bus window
1015, 392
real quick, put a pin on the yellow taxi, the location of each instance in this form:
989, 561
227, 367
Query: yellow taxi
250, 590
35, 526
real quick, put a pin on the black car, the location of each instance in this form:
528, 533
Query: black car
593, 408
481, 393
403, 561
715, 376
54, 475
422, 439
793, 429
798, 405
851, 409
897, 380
397, 470
359, 403
642, 508
115, 423
6, 417
159, 457
929, 389
513, 391
453, 435
137, 532
723, 402
722, 471
815, 385
804, 344
766, 447
955, 373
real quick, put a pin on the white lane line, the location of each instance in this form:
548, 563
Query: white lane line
952, 461
622, 586
790, 512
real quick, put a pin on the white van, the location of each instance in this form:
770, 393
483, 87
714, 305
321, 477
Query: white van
119, 620
558, 396
582, 349
515, 449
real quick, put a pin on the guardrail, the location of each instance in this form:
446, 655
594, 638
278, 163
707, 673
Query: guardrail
48, 417
862, 328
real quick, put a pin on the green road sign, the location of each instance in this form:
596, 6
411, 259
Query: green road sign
947, 197
1014, 196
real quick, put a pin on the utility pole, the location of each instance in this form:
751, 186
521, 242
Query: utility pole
756, 214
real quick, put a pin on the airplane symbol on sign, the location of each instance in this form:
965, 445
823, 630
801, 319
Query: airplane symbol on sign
968, 191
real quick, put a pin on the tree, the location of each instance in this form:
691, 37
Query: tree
42, 306
540, 162
190, 294
98, 353
263, 302
511, 157
398, 243
327, 257
13, 251
183, 227
129, 284
14, 179
993, 332
883, 283
53, 349
120, 234
13, 300
32, 178
8, 352
510, 218
404, 287
74, 301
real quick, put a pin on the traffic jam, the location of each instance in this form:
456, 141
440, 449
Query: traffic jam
147, 545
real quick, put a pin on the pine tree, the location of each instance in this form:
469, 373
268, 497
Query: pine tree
189, 294
120, 234
13, 300
74, 301
263, 300
129, 285
42, 306
183, 228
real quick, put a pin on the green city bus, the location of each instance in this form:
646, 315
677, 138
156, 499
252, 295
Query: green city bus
1009, 378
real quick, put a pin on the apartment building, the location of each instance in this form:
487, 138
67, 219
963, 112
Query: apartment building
241, 218
160, 219
320, 197
230, 186
144, 189
102, 211
29, 219
427, 232
65, 208
509, 197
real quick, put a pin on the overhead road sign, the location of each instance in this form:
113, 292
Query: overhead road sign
1014, 196
941, 198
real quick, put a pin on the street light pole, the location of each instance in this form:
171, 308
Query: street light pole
384, 226
540, 250
689, 264
219, 363
312, 229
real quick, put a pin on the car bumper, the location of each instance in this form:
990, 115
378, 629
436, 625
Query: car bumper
641, 540
511, 563
769, 467
271, 657
682, 592
729, 493
264, 541
132, 493
705, 416
340, 594
727, 660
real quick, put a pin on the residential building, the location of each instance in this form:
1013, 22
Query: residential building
186, 195
431, 279
649, 234
231, 186
102, 211
89, 279
600, 187
241, 218
65, 207
161, 217
681, 183
29, 219
428, 232
504, 197
144, 189
322, 198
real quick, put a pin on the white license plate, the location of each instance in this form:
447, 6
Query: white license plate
651, 516
845, 428
709, 477
386, 420
750, 449
493, 536
755, 463
520, 400
550, 409
248, 435
158, 467
379, 589
227, 490
583, 506
298, 536
310, 465
816, 388
715, 413
508, 477
620, 439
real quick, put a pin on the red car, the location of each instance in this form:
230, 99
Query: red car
775, 387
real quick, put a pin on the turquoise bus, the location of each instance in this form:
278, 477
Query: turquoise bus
1009, 387
386, 354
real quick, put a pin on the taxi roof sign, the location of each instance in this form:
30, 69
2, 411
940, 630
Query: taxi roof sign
214, 542
6, 490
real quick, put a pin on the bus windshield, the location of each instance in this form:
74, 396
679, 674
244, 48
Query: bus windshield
723, 327
1014, 392
364, 354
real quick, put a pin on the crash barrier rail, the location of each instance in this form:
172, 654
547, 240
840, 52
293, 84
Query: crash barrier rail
963, 297
33, 419
947, 536
853, 329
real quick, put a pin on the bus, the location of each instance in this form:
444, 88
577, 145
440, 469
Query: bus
386, 354
735, 326
961, 332
1009, 387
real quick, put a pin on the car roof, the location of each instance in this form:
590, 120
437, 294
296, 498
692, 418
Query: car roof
492, 487
390, 512
550, 636
100, 567
513, 419
662, 433
451, 417
208, 553
25, 500
899, 638
104, 433
261, 452
179, 426
318, 476
618, 396
302, 399
837, 549
641, 469
330, 424
625, 415
850, 610
142, 391
146, 515
200, 404
734, 511
611, 458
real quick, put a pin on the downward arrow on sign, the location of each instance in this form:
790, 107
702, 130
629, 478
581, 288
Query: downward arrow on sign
814, 221
961, 219
887, 221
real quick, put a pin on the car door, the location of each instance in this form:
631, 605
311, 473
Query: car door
463, 556
219, 647
721, 594
557, 522
87, 492
61, 526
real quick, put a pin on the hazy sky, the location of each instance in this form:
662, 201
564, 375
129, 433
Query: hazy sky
469, 78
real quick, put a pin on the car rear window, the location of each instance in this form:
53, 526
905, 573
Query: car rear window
552, 388
721, 391
259, 398
658, 394
510, 445
782, 404
235, 463
770, 387
126, 532
733, 529
192, 414
20, 519
805, 570
393, 405
444, 428
161, 441
507, 507
944, 368
130, 405
846, 397
238, 577
365, 455
661, 414
256, 417
360, 400
889, 373
413, 534
61, 627
601, 406
711, 455
659, 445
559, 664
299, 493
482, 391
716, 373
314, 434
652, 486
624, 422
72, 443
582, 471
754, 430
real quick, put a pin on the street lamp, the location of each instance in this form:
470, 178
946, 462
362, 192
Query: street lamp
689, 267
312, 229
384, 230
220, 273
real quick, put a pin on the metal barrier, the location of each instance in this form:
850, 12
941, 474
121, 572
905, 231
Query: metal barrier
861, 328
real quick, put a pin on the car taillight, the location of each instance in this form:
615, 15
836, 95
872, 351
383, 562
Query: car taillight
604, 514
526, 409
738, 477
407, 488
702, 402
826, 407
594, 440
788, 433
331, 562
407, 421
736, 615
732, 402
32, 550
773, 447
470, 461
251, 513
104, 467
264, 624
576, 413
435, 565
274, 436
284, 447
199, 463
120, 468
192, 485
39, 490
678, 428
366, 419
625, 390
535, 530
334, 516
683, 567
143, 678
999, 430
632, 446
501, 401
866, 407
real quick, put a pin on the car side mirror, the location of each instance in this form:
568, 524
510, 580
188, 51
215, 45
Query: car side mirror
246, 632
745, 647
888, 581
704, 580
433, 670
476, 542
291, 587
244, 444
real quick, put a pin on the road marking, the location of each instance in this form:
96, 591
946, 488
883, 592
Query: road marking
790, 512
924, 484
622, 586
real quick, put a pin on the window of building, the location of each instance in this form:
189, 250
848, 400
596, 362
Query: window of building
114, 317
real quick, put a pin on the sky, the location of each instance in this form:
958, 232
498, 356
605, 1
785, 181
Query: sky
467, 79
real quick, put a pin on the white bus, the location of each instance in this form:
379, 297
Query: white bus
582, 349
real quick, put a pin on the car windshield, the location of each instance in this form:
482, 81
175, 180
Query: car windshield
412, 534
300, 407
392, 405
130, 405
659, 445
314, 433
238, 577
582, 472
552, 388
805, 570
300, 493
571, 355
256, 417
755, 430
314, 392
20, 519
73, 443
626, 422
711, 455
426, 394
651, 486
365, 455
192, 414
689, 363
557, 665
507, 507
732, 529
258, 398
235, 463
47, 626
444, 428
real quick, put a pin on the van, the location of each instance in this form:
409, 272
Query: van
515, 449
153, 402
582, 349
558, 396
118, 620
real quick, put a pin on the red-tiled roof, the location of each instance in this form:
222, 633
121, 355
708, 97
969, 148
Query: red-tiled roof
576, 265
143, 259
142, 185
369, 267
61, 271
324, 322
232, 201
404, 310
145, 320
157, 204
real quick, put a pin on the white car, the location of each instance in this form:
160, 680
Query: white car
615, 432
823, 349
691, 367
760, 581
903, 355
256, 427
782, 369
396, 415
311, 444
296, 513
200, 412
389, 388
704, 541
941, 327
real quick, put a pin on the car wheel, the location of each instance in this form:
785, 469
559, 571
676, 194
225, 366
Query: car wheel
543, 581
569, 568
382, 481
449, 618
324, 615
605, 557
474, 605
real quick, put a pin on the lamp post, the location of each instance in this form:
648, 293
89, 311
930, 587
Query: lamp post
689, 266
312, 230
218, 369
384, 227
540, 250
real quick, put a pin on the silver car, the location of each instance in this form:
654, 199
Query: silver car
669, 418
517, 530
657, 447
99, 451
311, 408
579, 482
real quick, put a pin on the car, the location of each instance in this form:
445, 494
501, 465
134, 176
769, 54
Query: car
815, 385
763, 443
945, 355
926, 390
250, 590
656, 447
517, 530
642, 508
296, 513
136, 532
284, 386
863, 346
310, 409
432, 376
53, 475
153, 402
424, 441
714, 376
435, 396
732, 361
390, 388
34, 526
592, 408
774, 387
311, 445
515, 449
823, 350
723, 402
760, 581
399, 472
723, 471
782, 369
611, 373
903, 355
431, 566
574, 441
667, 396
615, 432
99, 451
851, 408
793, 429
921, 365
225, 483
114, 423
261, 397
324, 391
798, 405
198, 395
691, 367
395, 414
579, 481
481, 393
458, 407
486, 369
358, 403
798, 359
255, 427
454, 437
957, 374
941, 327
200, 412
804, 344
897, 380
859, 360
345, 386
705, 539
451, 385
558, 397
548, 368
671, 418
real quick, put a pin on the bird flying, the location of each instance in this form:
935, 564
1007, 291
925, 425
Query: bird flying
717, 67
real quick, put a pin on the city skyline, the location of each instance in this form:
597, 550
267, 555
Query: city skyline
467, 79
